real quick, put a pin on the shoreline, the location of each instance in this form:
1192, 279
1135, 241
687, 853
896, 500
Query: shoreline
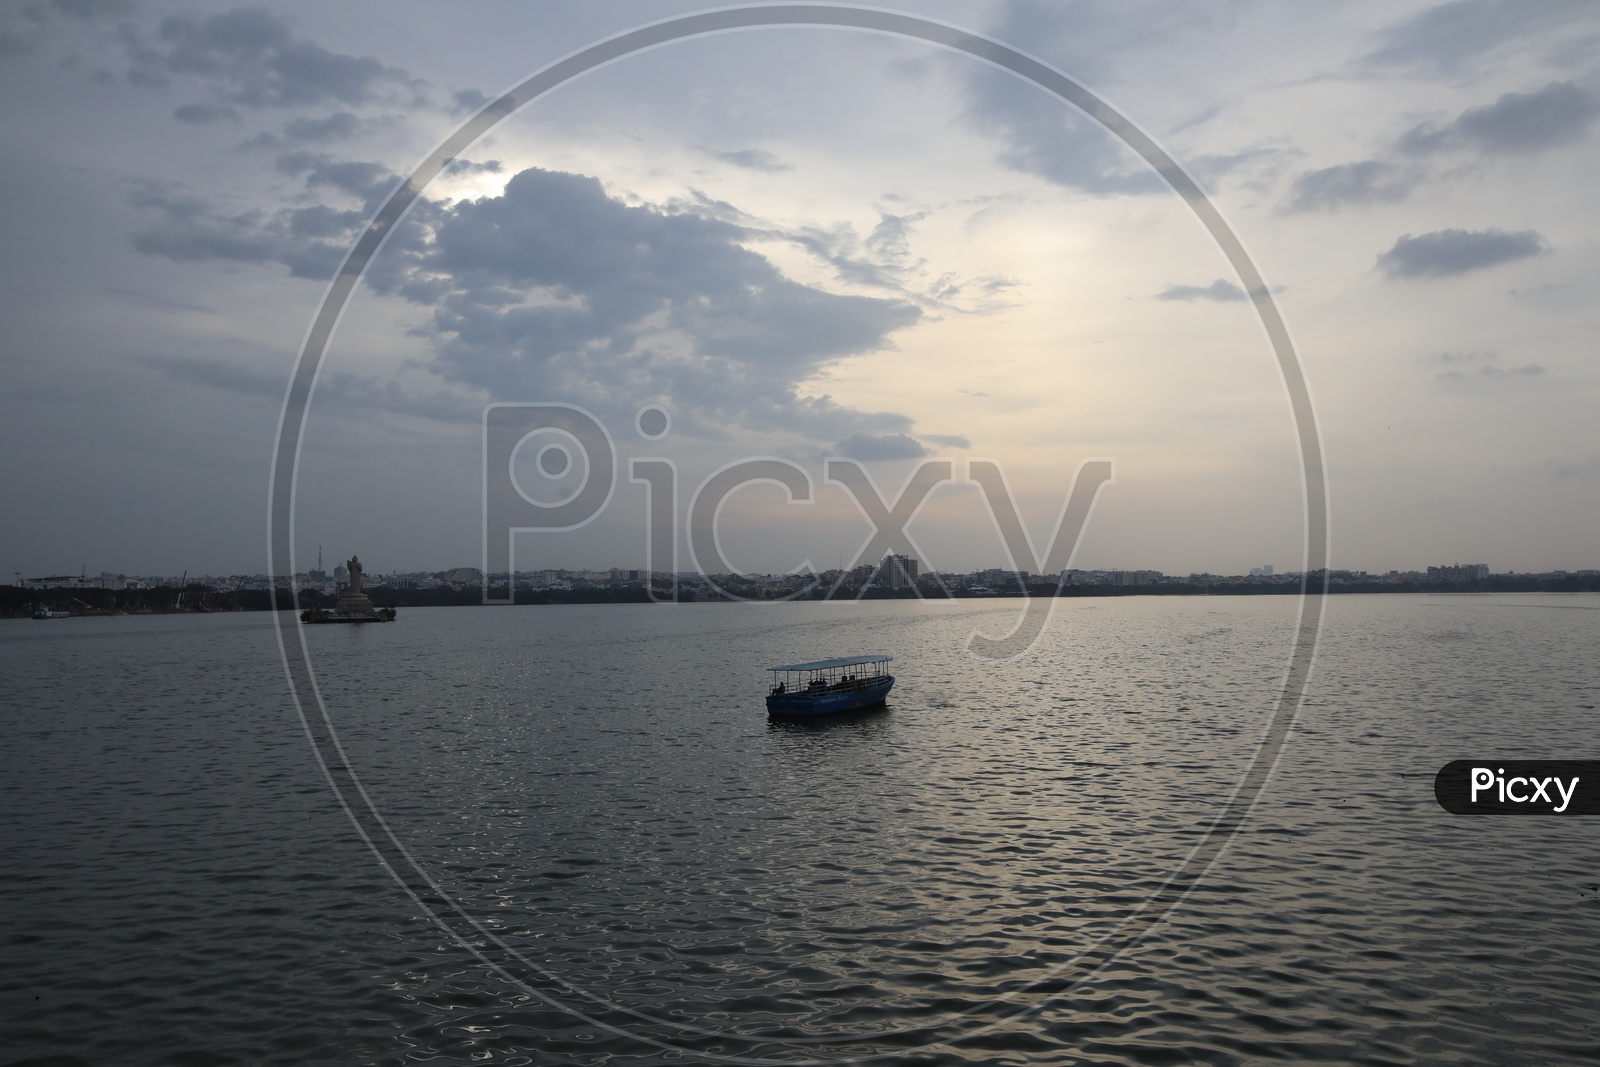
19, 603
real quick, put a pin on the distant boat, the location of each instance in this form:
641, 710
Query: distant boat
50, 613
828, 686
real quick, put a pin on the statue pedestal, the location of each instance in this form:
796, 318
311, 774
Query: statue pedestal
353, 604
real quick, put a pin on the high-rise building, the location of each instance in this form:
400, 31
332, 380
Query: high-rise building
898, 572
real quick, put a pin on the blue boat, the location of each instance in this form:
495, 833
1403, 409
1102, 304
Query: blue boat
828, 686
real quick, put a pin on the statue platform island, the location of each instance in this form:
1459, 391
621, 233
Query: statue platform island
353, 605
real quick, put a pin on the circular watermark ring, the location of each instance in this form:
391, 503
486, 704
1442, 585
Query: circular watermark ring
484, 944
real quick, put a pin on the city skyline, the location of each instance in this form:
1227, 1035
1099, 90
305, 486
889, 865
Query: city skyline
911, 570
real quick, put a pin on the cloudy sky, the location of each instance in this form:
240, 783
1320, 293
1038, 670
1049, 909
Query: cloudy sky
802, 243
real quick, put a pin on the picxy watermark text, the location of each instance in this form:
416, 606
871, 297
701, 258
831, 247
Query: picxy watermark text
683, 528
1518, 787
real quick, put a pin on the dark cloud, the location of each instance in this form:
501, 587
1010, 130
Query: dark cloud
191, 231
22, 24
1446, 36
1038, 134
86, 10
467, 101
341, 127
160, 303
343, 391
320, 220
698, 203
257, 382
369, 181
252, 58
556, 289
871, 448
1370, 181
1085, 37
202, 114
309, 241
750, 159
1444, 253
1220, 291
467, 166
1469, 367
947, 440
842, 248
882, 260
1515, 124
1211, 167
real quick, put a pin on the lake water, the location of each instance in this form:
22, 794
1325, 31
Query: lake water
646, 870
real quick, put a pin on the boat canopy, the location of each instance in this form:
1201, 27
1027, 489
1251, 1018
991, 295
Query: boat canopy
828, 664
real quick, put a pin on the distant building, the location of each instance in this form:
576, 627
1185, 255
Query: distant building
994, 577
1459, 572
62, 581
898, 572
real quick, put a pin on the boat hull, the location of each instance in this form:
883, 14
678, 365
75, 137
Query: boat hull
803, 704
